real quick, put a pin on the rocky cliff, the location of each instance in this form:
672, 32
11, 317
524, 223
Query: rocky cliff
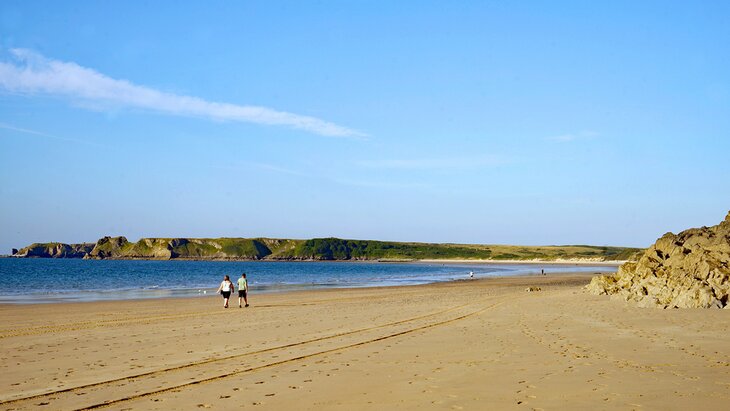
185, 248
687, 270
165, 249
313, 249
54, 250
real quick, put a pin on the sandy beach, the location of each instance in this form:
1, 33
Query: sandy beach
535, 262
475, 345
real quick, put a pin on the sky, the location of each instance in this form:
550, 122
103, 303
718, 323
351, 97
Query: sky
531, 123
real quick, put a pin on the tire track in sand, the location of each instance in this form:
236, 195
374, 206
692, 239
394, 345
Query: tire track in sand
219, 376
198, 368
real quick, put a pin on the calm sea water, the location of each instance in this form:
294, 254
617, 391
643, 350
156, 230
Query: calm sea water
54, 280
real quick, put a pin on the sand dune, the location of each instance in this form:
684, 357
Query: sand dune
484, 344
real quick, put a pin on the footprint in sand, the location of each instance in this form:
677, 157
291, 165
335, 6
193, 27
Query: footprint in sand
204, 405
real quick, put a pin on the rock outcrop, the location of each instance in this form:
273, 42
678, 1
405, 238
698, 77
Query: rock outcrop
316, 249
179, 248
687, 270
54, 250
108, 247
160, 249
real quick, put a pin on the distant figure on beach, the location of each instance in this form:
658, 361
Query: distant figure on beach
225, 289
542, 271
242, 289
471, 274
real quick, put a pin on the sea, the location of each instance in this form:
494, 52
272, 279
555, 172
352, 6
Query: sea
24, 281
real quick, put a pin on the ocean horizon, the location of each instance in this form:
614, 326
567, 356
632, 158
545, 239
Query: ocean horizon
34, 281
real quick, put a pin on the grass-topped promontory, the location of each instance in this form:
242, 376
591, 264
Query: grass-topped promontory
316, 249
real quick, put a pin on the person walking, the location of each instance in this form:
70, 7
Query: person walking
242, 290
225, 289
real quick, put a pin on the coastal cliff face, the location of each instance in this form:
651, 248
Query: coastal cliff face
317, 249
164, 249
171, 248
687, 270
55, 250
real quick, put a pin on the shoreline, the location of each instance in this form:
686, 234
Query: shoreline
497, 279
163, 294
169, 298
578, 262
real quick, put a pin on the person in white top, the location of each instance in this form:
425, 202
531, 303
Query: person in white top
226, 289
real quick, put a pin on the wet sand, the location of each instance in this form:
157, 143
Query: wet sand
483, 344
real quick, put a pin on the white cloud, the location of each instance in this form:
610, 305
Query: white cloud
388, 185
31, 73
25, 130
248, 166
565, 138
42, 134
458, 163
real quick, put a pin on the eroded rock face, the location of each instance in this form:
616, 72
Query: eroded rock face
53, 250
687, 270
108, 247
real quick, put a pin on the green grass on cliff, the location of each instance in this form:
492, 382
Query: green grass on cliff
336, 249
339, 249
251, 248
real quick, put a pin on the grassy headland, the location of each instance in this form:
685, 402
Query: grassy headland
314, 249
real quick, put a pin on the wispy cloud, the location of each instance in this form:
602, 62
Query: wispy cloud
388, 185
248, 166
26, 131
448, 163
32, 73
565, 138
46, 135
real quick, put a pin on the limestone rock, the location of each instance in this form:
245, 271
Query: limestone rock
53, 250
108, 247
687, 270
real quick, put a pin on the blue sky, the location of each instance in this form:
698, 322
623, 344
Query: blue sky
473, 122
